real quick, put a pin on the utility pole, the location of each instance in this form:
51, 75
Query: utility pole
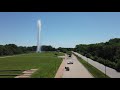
105, 68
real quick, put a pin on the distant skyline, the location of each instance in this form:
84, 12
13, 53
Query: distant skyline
59, 29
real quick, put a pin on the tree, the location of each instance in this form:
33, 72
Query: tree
47, 48
118, 66
1, 50
101, 52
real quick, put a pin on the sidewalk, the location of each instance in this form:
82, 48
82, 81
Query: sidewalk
61, 68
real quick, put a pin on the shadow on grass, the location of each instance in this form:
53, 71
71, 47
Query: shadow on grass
10, 72
10, 75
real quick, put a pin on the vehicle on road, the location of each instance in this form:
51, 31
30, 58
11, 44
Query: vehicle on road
67, 68
70, 62
69, 55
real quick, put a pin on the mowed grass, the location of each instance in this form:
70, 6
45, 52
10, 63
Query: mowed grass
94, 71
47, 64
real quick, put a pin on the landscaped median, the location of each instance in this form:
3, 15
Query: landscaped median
94, 71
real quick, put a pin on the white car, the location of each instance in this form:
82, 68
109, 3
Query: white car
70, 62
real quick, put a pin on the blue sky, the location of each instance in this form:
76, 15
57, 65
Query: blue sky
59, 29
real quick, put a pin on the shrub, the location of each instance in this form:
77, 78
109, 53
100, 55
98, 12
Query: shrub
95, 58
101, 60
118, 66
110, 64
56, 54
88, 55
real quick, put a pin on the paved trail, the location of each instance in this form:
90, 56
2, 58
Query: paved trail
77, 70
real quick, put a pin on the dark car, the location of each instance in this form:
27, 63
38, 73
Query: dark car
67, 68
69, 55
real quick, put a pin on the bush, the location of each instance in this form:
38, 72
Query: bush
118, 66
106, 62
110, 64
88, 55
95, 58
56, 54
69, 52
101, 60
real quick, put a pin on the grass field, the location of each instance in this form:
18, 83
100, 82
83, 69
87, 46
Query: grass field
47, 64
94, 71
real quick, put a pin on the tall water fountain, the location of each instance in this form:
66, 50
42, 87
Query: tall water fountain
38, 36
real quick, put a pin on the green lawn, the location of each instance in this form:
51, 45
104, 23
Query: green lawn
47, 64
94, 71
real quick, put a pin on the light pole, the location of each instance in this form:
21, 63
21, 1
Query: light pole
105, 71
55, 63
87, 60
86, 57
105, 68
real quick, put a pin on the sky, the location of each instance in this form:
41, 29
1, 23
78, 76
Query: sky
59, 29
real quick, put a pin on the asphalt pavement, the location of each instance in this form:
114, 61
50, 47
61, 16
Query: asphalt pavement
76, 70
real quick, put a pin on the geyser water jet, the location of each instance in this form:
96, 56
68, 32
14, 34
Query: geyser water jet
38, 36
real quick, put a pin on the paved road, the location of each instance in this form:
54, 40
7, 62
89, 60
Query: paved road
109, 71
77, 70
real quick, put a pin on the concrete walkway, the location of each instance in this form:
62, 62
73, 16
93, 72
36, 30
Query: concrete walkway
77, 70
60, 70
27, 74
109, 71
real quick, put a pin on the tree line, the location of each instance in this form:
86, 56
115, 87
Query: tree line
65, 50
12, 49
107, 53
